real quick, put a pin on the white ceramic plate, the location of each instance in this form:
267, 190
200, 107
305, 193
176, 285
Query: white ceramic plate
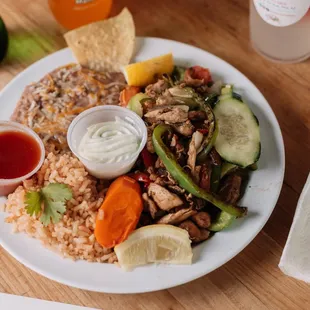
261, 195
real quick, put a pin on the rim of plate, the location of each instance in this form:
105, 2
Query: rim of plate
185, 278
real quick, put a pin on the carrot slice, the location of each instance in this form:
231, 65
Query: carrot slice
120, 212
127, 93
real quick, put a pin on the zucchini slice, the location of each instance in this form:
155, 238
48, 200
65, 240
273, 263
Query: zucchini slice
227, 168
238, 139
135, 105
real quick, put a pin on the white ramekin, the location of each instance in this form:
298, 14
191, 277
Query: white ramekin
78, 128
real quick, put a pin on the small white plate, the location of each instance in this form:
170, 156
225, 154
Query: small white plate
261, 195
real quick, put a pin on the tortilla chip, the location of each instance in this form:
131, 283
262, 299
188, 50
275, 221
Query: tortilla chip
105, 45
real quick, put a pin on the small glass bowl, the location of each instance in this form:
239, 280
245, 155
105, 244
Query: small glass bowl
78, 128
7, 186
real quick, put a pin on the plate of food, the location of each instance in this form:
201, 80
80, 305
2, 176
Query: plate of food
133, 164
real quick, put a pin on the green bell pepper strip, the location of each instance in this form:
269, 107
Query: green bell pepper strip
215, 177
211, 137
183, 179
223, 220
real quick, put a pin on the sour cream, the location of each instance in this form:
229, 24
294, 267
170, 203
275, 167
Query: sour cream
110, 142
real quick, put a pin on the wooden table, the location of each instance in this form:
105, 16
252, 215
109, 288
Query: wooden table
251, 280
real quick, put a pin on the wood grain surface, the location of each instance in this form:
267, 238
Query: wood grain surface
251, 280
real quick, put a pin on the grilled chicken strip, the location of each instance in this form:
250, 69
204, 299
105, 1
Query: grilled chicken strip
197, 115
156, 89
192, 229
195, 234
194, 145
150, 205
186, 129
177, 217
164, 198
230, 190
202, 219
204, 234
171, 114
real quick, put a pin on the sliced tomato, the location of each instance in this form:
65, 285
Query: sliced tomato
198, 73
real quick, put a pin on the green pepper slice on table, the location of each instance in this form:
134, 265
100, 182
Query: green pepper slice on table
183, 179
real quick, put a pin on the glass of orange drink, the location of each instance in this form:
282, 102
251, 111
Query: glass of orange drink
75, 13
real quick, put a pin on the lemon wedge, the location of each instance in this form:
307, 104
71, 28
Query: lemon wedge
155, 244
145, 72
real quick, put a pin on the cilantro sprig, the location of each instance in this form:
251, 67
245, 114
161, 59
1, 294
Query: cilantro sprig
49, 202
